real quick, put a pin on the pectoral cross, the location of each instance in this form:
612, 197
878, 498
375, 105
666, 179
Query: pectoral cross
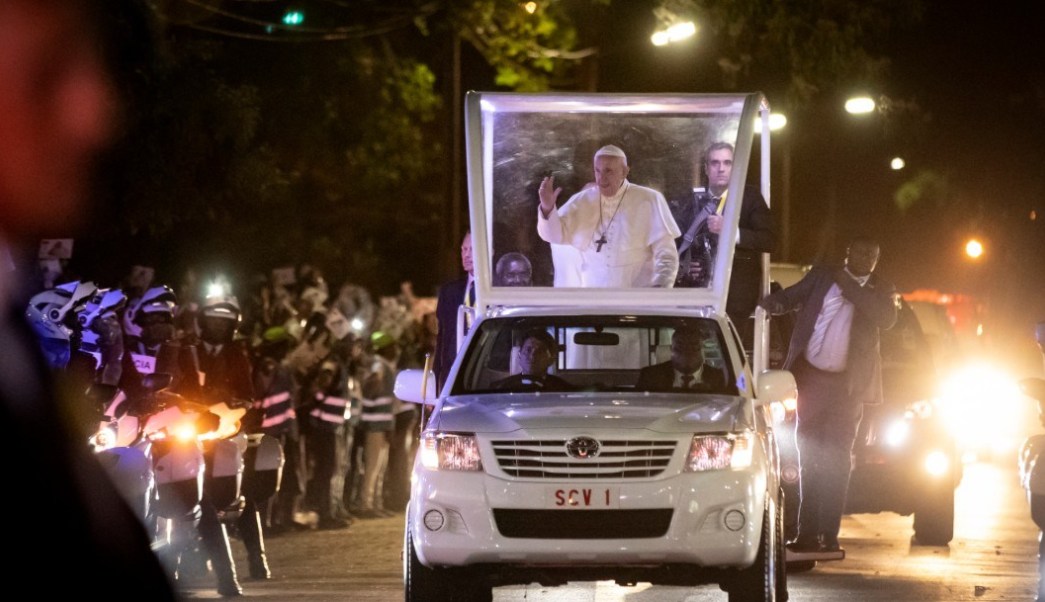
598, 243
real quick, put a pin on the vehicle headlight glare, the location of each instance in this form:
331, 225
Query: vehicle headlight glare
449, 451
717, 452
897, 433
922, 409
937, 463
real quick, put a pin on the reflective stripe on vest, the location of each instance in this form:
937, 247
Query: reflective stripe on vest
378, 410
276, 410
332, 409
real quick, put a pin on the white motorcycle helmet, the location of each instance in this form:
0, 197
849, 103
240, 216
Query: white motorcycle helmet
155, 298
107, 302
50, 312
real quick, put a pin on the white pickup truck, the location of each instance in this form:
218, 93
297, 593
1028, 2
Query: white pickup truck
605, 474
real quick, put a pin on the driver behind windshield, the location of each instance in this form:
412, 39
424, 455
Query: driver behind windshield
685, 370
535, 352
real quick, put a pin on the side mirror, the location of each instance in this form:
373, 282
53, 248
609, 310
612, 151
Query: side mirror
776, 386
411, 385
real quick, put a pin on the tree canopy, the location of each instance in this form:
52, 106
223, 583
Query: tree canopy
255, 139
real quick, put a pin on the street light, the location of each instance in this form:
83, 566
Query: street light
776, 121
973, 248
897, 163
860, 105
675, 33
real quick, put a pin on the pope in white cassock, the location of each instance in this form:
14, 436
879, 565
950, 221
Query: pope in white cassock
624, 233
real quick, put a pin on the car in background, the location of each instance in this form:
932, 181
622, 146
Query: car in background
905, 459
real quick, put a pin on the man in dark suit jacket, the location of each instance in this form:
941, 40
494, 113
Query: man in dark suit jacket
701, 222
686, 370
836, 362
451, 296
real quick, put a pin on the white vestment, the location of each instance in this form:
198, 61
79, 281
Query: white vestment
639, 233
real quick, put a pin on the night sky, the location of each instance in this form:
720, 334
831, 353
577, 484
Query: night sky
976, 73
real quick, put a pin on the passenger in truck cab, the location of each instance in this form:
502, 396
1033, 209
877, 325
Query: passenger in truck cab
534, 354
686, 370
624, 232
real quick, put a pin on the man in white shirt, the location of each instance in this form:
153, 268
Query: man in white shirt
624, 232
835, 359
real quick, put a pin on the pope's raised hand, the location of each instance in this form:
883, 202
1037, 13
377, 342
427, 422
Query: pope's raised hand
548, 194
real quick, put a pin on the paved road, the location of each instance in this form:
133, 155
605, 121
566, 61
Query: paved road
992, 558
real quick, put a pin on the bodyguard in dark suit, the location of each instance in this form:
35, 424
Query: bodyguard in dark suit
451, 296
834, 355
686, 370
701, 222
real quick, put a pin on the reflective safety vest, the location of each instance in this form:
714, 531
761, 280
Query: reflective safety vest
277, 413
331, 410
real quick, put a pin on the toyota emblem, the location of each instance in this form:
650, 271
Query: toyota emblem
582, 448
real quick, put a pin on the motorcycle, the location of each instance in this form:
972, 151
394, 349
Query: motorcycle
151, 446
1031, 462
162, 450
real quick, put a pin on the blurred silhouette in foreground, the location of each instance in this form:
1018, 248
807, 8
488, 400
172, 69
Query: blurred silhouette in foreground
63, 513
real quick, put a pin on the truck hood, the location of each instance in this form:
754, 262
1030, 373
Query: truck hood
659, 412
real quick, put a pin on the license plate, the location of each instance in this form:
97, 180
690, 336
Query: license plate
578, 498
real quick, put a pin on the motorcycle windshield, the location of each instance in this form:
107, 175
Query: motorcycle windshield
614, 241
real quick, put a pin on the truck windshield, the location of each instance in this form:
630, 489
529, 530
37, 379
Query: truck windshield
597, 353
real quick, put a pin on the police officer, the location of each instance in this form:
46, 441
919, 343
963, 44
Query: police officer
225, 376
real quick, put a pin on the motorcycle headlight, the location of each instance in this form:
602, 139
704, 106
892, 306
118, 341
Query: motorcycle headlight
104, 438
717, 452
450, 451
185, 432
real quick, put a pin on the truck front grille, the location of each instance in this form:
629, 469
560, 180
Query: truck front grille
548, 459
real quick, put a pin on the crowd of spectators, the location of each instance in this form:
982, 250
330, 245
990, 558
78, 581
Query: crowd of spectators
336, 352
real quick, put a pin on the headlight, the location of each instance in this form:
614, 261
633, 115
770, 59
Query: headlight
104, 438
897, 432
185, 432
920, 409
450, 451
716, 452
937, 463
982, 408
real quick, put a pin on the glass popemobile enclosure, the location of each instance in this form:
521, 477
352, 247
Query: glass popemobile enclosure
601, 419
